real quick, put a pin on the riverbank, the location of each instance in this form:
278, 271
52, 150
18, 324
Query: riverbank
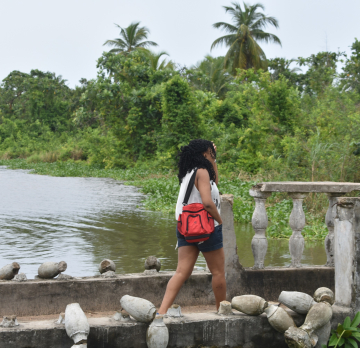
161, 189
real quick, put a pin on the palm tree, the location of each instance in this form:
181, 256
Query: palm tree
217, 78
244, 51
130, 39
155, 62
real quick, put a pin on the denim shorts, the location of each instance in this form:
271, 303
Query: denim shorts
214, 242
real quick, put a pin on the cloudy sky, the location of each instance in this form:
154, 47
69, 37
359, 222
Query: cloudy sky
66, 37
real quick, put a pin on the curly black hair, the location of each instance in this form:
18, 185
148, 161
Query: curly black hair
191, 156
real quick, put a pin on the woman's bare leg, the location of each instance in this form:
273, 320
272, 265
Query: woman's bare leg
216, 263
187, 256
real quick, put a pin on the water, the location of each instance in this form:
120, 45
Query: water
84, 220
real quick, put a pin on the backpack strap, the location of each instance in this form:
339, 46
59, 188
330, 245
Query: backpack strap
190, 187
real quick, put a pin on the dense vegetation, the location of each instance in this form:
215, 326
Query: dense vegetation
270, 121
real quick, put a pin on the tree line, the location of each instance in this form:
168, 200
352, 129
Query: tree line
294, 119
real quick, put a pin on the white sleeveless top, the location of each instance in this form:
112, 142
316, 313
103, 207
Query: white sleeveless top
195, 195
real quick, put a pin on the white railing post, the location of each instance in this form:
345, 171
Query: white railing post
297, 223
259, 222
329, 220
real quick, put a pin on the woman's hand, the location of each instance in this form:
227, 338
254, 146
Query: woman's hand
214, 146
210, 156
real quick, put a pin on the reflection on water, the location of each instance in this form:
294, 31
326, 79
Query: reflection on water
278, 250
84, 220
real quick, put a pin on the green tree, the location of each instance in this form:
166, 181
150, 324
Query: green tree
210, 75
181, 121
350, 77
244, 51
156, 63
131, 38
41, 96
282, 66
321, 72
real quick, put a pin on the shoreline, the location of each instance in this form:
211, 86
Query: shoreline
160, 188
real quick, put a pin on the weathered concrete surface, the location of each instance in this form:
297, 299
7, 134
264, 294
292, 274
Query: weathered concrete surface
297, 223
270, 282
259, 222
232, 264
43, 297
233, 268
315, 186
347, 252
192, 330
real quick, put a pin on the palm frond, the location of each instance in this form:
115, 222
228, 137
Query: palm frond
131, 38
227, 40
146, 44
247, 28
225, 26
266, 37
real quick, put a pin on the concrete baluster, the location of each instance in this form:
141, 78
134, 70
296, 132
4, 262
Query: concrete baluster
297, 223
329, 220
346, 244
259, 222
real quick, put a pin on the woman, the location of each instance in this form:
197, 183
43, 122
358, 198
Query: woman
200, 154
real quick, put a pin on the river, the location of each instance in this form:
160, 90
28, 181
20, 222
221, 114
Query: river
84, 220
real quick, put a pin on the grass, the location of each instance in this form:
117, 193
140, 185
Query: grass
161, 189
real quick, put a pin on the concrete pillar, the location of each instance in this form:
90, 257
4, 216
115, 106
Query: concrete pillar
233, 268
232, 264
297, 223
347, 253
329, 220
259, 222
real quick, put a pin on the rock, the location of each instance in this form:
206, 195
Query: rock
49, 270
140, 309
152, 263
63, 276
157, 334
83, 345
297, 338
108, 274
306, 335
249, 304
299, 302
225, 308
324, 295
122, 316
21, 277
9, 321
8, 272
150, 272
278, 318
319, 315
61, 319
323, 335
174, 311
76, 323
107, 265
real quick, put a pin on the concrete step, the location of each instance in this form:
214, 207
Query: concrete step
200, 326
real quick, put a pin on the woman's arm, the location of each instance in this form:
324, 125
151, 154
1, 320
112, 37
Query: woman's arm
202, 183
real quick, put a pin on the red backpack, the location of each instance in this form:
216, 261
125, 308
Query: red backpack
194, 223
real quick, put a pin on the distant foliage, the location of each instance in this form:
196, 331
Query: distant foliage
181, 121
298, 121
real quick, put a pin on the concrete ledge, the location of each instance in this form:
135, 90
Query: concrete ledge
44, 297
270, 282
193, 330
314, 186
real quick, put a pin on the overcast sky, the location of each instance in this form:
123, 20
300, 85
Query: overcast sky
66, 37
